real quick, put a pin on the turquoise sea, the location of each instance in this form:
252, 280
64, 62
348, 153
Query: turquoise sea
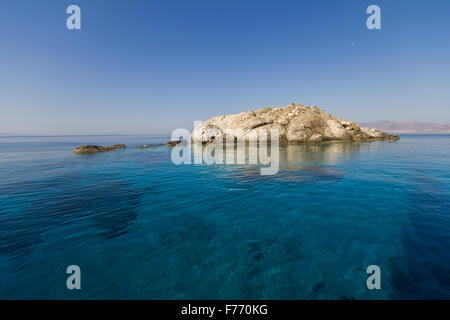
141, 227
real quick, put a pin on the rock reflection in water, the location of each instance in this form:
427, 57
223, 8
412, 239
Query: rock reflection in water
298, 162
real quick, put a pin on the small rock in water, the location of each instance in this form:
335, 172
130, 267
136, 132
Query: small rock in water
95, 149
174, 143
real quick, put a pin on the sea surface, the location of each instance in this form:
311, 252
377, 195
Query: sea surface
141, 227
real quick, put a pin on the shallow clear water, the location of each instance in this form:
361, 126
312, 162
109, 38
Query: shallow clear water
141, 227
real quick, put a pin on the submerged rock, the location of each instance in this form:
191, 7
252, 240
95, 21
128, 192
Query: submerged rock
295, 123
95, 149
174, 143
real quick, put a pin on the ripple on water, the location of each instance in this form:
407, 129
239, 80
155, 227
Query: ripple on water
142, 227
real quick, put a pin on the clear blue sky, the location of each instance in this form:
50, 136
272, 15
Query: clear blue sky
153, 66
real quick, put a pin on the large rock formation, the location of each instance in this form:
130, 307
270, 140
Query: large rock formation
95, 149
295, 123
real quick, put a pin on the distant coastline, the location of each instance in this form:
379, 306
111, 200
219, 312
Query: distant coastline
406, 127
85, 135
12, 135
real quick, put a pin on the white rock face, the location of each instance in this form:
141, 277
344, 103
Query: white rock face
316, 137
295, 123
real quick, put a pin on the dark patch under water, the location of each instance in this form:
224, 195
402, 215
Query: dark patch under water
424, 271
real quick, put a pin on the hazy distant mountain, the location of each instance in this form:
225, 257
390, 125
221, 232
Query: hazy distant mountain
408, 126
10, 134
